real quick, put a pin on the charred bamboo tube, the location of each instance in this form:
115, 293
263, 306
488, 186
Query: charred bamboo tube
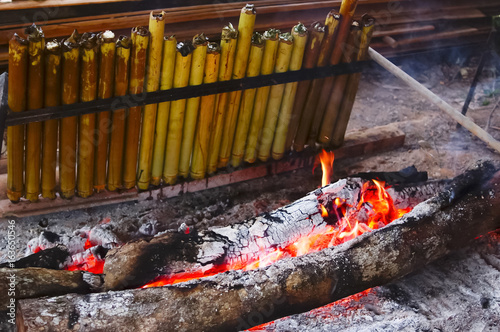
351, 87
207, 104
259, 109
36, 46
247, 102
332, 24
86, 128
299, 33
103, 119
67, 132
245, 31
156, 30
140, 40
317, 32
228, 49
52, 96
117, 139
176, 119
200, 43
18, 74
167, 79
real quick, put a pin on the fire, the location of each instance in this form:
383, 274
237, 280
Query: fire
326, 160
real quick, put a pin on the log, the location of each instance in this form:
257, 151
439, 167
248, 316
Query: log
238, 300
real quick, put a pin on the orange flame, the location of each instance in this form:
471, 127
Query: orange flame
326, 159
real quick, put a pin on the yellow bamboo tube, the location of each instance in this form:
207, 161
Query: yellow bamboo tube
285, 48
167, 79
103, 119
204, 125
260, 104
245, 31
247, 101
18, 73
299, 33
117, 139
200, 43
177, 108
156, 30
86, 128
67, 133
140, 39
36, 46
50, 127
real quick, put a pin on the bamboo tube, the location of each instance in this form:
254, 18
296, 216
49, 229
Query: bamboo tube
268, 61
299, 33
285, 48
50, 127
140, 39
207, 104
331, 23
156, 30
200, 43
245, 31
18, 74
317, 32
367, 28
67, 132
117, 139
167, 79
103, 119
86, 129
176, 119
247, 102
228, 49
36, 46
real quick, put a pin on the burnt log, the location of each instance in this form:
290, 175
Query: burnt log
51, 258
237, 300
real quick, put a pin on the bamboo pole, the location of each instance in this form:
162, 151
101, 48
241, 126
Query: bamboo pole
36, 46
67, 132
176, 119
103, 119
156, 30
200, 43
117, 139
207, 104
228, 48
18, 74
50, 127
167, 79
258, 115
247, 102
299, 33
140, 39
86, 129
245, 31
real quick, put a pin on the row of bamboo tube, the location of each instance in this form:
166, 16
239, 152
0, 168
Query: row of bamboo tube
144, 146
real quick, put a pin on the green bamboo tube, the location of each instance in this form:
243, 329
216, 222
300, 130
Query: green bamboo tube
204, 125
67, 132
36, 46
50, 127
86, 129
167, 79
247, 101
245, 31
18, 74
200, 43
228, 48
117, 139
177, 109
299, 33
140, 40
156, 30
103, 119
261, 97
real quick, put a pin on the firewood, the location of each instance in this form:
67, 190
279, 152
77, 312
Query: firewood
52, 258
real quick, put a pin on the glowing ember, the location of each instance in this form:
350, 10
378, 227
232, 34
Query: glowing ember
89, 264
